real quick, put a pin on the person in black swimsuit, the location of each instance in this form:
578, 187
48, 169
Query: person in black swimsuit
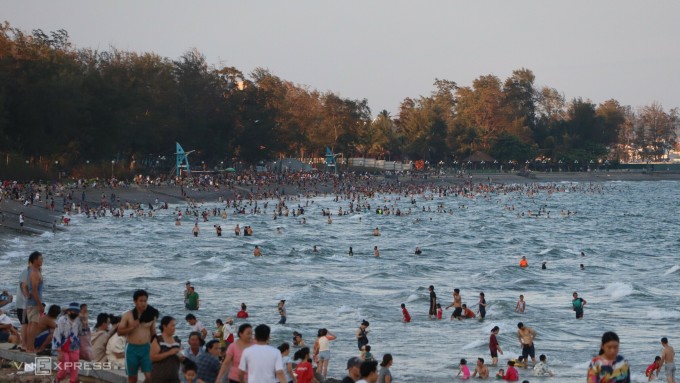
362, 334
433, 303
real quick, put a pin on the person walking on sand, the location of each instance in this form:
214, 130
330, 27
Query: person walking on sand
668, 360
578, 304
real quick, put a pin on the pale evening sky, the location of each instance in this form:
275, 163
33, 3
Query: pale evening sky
386, 50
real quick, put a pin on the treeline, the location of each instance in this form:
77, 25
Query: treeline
58, 103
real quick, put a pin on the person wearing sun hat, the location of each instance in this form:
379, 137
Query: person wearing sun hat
67, 343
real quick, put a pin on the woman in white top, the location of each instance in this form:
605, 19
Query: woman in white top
322, 351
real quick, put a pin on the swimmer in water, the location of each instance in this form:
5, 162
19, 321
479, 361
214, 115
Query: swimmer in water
582, 267
257, 252
376, 232
418, 251
195, 230
521, 305
376, 251
351, 253
523, 262
315, 250
543, 266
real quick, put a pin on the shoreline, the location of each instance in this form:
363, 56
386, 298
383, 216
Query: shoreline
39, 219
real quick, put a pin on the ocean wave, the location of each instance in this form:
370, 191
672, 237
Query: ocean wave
672, 270
618, 290
475, 344
663, 314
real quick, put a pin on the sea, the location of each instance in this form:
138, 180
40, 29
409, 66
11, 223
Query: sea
628, 232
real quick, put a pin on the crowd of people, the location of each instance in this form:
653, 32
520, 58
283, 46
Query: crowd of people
144, 340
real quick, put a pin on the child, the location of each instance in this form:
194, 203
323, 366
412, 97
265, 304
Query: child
500, 374
366, 353
189, 372
404, 312
655, 366
304, 369
467, 313
464, 370
519, 362
511, 374
439, 311
494, 347
521, 305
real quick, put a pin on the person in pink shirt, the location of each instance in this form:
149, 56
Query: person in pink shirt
464, 371
233, 358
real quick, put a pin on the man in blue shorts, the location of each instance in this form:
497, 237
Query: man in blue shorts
139, 325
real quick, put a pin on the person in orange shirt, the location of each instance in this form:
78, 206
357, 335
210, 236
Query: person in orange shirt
523, 262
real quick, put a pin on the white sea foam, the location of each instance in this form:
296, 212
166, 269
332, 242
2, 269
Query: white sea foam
475, 344
663, 314
672, 270
546, 251
618, 290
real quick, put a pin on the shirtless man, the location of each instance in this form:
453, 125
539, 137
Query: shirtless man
668, 358
481, 369
139, 325
257, 251
457, 306
45, 329
526, 336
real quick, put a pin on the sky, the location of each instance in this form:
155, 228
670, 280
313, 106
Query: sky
387, 50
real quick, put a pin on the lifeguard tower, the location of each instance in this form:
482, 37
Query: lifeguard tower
330, 161
182, 160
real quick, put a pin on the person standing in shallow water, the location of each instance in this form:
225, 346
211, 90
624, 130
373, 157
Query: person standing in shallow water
482, 306
195, 230
668, 360
362, 334
433, 302
609, 366
578, 304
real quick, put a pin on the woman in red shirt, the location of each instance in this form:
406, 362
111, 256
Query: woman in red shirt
304, 370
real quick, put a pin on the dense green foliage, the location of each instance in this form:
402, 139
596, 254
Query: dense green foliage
71, 105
